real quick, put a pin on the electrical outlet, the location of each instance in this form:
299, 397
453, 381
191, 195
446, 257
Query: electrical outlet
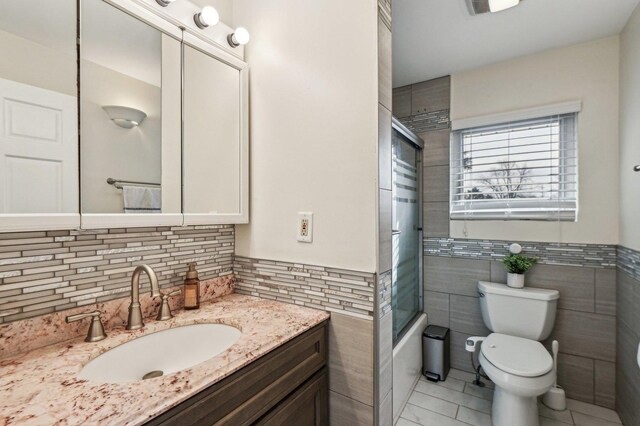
305, 227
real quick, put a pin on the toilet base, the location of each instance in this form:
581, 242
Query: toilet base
509, 409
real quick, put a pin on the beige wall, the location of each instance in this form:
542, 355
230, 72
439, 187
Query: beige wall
588, 72
630, 133
313, 83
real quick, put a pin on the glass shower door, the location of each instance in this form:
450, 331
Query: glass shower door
406, 289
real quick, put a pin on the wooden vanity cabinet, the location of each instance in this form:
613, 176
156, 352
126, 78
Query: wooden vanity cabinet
287, 386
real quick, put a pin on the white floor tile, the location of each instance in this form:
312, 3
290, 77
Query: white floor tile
456, 397
473, 417
461, 375
450, 383
431, 403
484, 393
428, 418
581, 419
593, 410
405, 422
562, 416
551, 422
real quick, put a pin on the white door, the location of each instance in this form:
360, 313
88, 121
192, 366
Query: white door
38, 150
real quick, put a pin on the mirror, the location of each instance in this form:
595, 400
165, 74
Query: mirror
130, 116
215, 147
38, 106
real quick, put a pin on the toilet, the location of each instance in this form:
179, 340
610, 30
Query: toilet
512, 356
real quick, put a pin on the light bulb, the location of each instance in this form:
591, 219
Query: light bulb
499, 5
207, 17
164, 3
239, 36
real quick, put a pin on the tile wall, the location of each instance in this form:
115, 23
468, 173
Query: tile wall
628, 336
584, 274
45, 272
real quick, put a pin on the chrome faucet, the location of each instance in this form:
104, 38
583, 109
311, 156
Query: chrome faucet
135, 313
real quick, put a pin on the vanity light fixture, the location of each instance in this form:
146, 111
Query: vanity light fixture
477, 7
164, 3
125, 117
207, 17
238, 37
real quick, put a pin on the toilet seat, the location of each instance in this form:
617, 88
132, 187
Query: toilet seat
516, 355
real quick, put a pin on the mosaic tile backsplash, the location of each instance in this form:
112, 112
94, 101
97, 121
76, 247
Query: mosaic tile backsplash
629, 261
589, 255
336, 290
45, 272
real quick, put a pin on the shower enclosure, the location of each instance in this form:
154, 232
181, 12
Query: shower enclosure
406, 289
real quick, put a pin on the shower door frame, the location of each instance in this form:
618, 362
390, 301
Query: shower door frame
418, 144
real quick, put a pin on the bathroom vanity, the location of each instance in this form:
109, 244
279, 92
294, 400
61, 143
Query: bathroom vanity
289, 383
274, 372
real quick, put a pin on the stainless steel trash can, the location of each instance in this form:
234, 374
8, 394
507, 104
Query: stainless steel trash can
435, 353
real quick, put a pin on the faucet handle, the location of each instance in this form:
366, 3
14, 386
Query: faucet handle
165, 311
96, 330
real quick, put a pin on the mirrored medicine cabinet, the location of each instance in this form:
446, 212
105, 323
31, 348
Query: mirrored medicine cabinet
114, 116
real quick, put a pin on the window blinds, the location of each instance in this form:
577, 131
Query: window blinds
524, 169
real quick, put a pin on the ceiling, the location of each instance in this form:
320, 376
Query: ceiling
433, 38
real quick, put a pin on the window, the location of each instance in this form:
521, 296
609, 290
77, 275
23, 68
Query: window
525, 169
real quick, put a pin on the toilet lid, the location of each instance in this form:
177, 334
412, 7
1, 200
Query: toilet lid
515, 355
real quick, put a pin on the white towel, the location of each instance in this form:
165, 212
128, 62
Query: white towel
142, 199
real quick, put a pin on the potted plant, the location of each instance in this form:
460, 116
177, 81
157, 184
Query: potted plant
516, 265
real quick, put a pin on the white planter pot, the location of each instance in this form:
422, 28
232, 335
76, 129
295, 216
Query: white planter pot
515, 280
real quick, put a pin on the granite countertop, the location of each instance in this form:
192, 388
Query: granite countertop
42, 387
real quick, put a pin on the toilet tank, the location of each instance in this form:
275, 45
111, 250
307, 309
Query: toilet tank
523, 312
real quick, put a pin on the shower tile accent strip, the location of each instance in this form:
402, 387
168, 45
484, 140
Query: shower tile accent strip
588, 255
330, 289
51, 271
629, 261
384, 288
428, 122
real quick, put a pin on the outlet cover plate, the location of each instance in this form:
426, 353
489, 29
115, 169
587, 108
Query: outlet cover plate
305, 227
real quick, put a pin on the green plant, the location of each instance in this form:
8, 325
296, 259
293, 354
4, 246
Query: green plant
518, 264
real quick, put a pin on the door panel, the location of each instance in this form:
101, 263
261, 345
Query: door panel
38, 150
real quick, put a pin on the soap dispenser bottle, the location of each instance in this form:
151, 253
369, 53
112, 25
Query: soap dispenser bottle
192, 288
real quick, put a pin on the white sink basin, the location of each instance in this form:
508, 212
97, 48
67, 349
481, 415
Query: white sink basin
161, 353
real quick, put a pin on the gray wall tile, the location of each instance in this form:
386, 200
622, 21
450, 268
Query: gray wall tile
384, 232
576, 285
455, 276
384, 64
384, 147
432, 95
350, 363
436, 305
465, 316
576, 376
436, 183
460, 358
436, 147
402, 102
605, 384
385, 352
344, 411
436, 219
628, 301
585, 334
606, 291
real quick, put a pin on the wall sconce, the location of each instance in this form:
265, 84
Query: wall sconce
164, 3
207, 17
125, 117
238, 37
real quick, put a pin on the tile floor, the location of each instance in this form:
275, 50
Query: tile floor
457, 402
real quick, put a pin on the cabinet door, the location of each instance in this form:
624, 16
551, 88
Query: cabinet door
215, 146
307, 406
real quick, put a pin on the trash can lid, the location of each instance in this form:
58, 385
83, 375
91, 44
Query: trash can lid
436, 332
